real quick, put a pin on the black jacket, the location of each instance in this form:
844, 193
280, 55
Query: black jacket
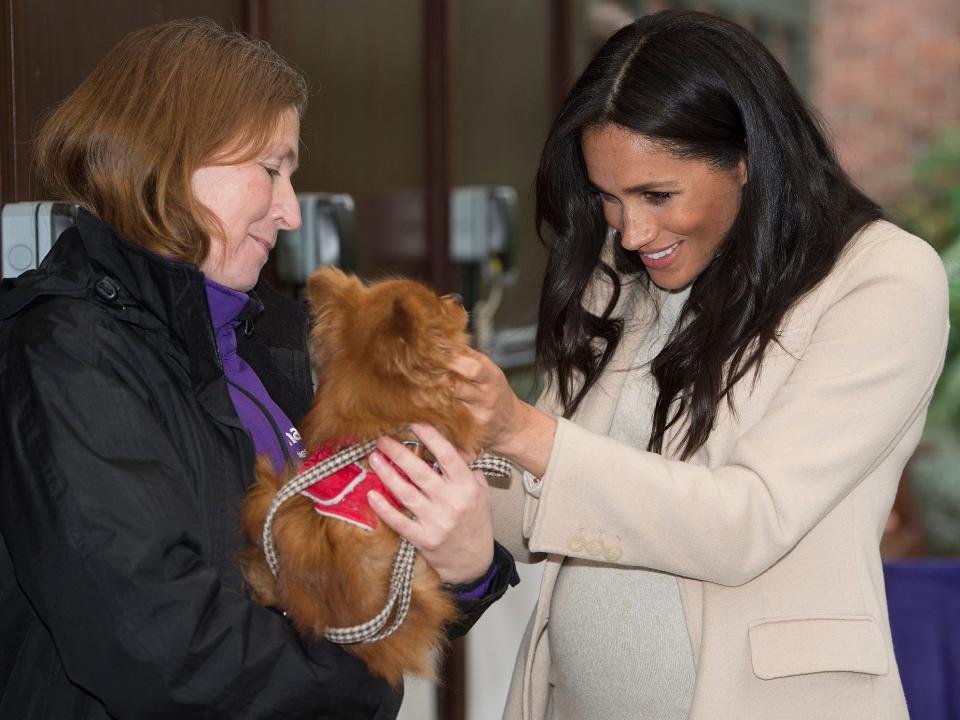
122, 466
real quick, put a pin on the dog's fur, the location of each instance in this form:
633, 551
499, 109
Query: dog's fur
379, 353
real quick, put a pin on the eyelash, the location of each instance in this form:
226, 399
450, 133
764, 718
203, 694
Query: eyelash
272, 172
655, 198
658, 198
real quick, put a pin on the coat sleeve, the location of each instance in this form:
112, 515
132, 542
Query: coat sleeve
507, 496
864, 379
503, 570
106, 539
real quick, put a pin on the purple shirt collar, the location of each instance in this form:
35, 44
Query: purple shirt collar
269, 427
226, 304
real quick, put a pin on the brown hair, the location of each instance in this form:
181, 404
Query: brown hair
165, 101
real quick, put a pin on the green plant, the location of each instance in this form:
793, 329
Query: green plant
931, 210
945, 406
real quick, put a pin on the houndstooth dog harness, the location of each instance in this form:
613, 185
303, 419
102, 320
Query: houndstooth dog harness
338, 485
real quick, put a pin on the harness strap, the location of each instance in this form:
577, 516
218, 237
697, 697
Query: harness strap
404, 562
298, 483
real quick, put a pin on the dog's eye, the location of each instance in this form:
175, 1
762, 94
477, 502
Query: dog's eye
454, 297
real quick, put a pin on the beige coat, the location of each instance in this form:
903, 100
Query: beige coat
772, 528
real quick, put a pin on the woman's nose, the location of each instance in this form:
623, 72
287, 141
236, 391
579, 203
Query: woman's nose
287, 207
639, 229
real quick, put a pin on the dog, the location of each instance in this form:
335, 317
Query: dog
379, 354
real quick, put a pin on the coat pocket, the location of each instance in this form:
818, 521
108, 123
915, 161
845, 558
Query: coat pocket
780, 647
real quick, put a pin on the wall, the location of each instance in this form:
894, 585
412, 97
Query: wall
886, 77
48, 46
364, 131
499, 115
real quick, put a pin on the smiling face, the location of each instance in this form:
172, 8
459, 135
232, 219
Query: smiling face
673, 212
252, 200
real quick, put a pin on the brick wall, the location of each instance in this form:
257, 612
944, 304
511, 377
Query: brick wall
886, 77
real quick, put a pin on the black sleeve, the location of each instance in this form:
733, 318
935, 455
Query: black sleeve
471, 610
107, 542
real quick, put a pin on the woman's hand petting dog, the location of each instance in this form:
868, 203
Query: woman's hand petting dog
451, 524
507, 425
488, 396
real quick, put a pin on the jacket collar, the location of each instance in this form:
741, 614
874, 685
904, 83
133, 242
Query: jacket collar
169, 292
92, 261
154, 293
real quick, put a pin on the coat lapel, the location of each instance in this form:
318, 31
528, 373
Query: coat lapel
597, 409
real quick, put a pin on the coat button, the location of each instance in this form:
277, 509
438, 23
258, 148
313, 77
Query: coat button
107, 289
612, 553
576, 543
595, 547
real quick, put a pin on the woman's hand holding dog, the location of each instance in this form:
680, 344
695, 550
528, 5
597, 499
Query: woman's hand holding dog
508, 426
452, 526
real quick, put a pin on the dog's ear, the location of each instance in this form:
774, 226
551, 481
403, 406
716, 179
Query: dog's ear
402, 323
329, 289
415, 320
412, 335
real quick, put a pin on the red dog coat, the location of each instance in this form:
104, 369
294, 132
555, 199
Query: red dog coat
343, 494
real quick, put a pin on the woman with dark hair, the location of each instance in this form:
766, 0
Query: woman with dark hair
142, 366
739, 354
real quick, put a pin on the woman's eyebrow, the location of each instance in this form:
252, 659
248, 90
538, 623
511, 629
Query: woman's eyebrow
640, 188
284, 153
653, 185
292, 158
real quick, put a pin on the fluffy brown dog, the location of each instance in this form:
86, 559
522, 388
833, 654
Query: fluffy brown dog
379, 354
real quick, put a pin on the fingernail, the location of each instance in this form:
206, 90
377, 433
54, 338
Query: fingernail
373, 497
376, 458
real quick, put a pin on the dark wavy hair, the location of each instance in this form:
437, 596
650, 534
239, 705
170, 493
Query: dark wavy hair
706, 89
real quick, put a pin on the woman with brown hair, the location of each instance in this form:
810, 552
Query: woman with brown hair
142, 367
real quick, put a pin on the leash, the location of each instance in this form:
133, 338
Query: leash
404, 562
